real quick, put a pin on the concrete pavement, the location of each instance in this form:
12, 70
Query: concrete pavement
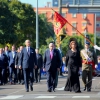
40, 91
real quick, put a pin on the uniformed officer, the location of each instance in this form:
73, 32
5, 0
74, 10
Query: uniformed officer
89, 61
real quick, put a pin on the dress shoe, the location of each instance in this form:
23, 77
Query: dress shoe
89, 90
11, 83
77, 91
54, 90
22, 83
49, 90
84, 89
27, 90
31, 88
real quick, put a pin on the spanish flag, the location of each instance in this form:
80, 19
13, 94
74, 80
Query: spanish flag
59, 23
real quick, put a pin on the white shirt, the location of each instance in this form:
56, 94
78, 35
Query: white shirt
13, 53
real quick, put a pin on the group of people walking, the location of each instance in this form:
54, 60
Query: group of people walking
76, 60
28, 59
15, 67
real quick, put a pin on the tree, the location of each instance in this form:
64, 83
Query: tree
7, 21
25, 23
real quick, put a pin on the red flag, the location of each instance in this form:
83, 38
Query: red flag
59, 23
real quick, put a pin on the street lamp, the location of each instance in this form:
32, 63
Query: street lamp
37, 32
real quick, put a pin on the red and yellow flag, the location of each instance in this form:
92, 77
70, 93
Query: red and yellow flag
59, 23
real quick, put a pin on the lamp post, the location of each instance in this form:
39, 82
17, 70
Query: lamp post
37, 32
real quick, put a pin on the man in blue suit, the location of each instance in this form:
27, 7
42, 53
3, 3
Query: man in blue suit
51, 65
3, 64
28, 62
6, 52
12, 68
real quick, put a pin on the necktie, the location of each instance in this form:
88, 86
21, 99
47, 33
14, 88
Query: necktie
28, 51
51, 55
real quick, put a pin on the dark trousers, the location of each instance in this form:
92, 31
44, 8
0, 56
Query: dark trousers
12, 70
2, 75
37, 74
6, 75
19, 74
51, 79
28, 74
87, 74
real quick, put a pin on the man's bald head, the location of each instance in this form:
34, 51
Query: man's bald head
27, 43
51, 46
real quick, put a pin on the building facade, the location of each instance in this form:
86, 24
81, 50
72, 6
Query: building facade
55, 3
83, 22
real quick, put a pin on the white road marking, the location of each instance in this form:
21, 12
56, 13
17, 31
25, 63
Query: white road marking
12, 97
18, 91
81, 97
57, 94
60, 88
45, 97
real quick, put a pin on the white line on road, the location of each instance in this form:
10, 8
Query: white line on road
60, 88
45, 97
18, 91
81, 97
12, 97
58, 94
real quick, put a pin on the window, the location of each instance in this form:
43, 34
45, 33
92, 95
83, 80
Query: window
73, 24
84, 16
56, 2
74, 15
63, 14
98, 25
84, 24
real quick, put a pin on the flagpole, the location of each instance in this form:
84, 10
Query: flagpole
80, 33
77, 30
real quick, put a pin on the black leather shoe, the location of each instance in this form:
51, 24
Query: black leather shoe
27, 90
89, 90
77, 91
54, 90
49, 90
31, 88
84, 89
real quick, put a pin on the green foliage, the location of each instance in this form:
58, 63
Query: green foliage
18, 23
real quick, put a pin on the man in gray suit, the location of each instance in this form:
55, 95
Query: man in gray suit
51, 65
28, 62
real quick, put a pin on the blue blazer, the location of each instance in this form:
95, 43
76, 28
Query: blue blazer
28, 61
11, 59
3, 61
53, 63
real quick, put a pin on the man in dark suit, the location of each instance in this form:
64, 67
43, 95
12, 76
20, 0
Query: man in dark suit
3, 64
39, 65
12, 68
51, 65
6, 52
17, 64
28, 62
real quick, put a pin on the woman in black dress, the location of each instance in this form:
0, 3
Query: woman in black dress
73, 61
